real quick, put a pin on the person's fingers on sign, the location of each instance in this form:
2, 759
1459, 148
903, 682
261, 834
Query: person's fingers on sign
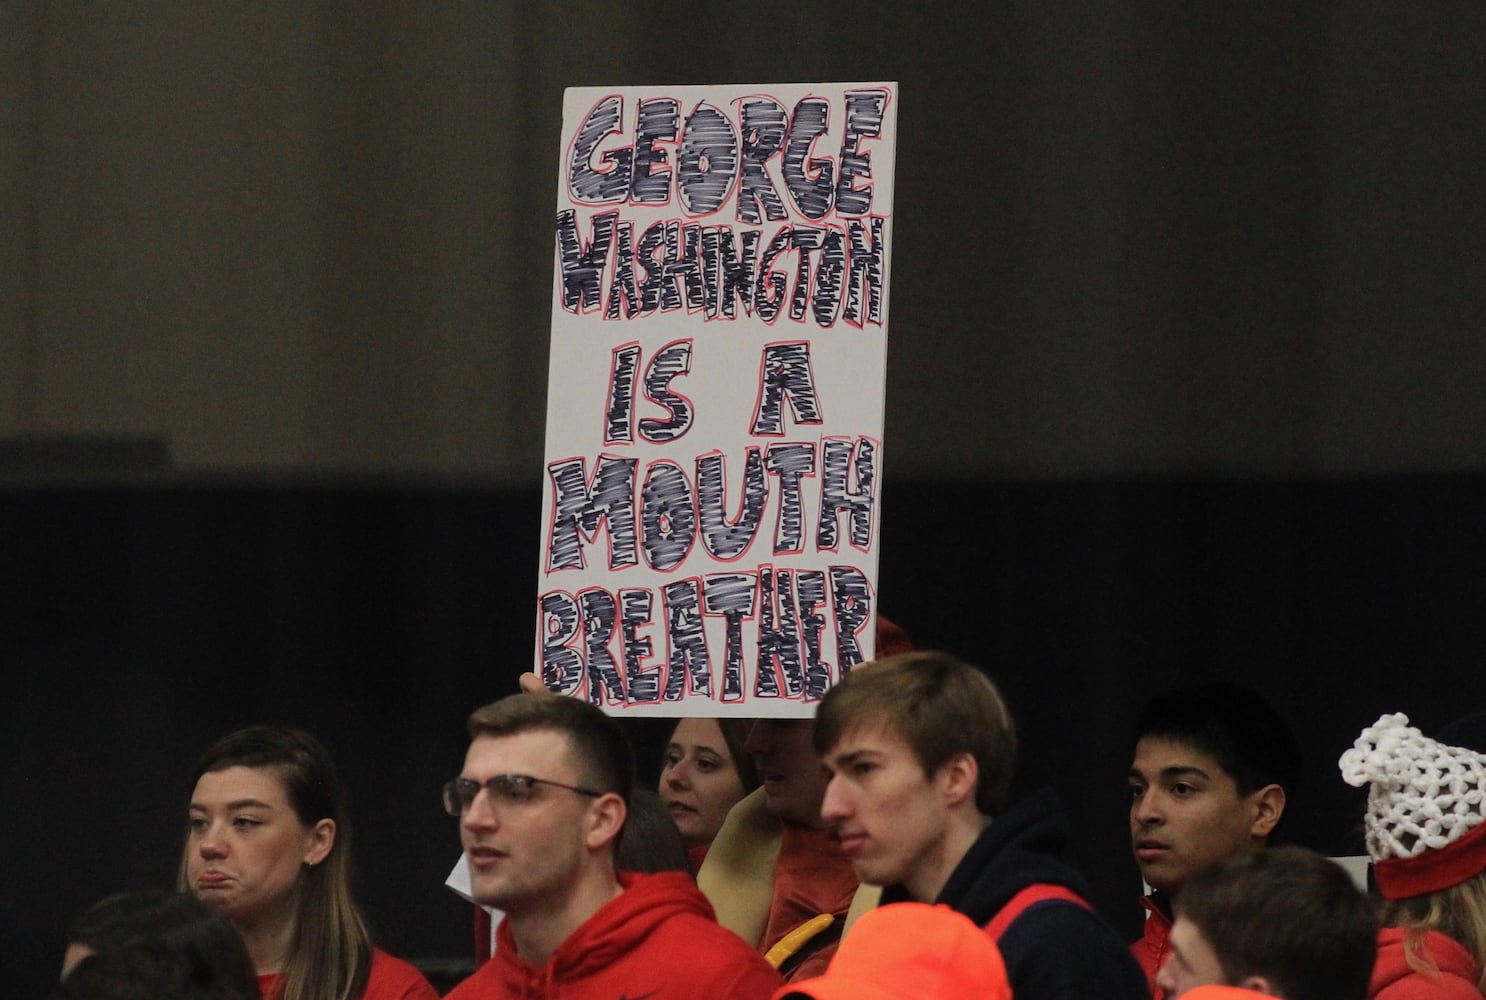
532, 684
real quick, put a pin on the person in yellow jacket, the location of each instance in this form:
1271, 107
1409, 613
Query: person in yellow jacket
775, 873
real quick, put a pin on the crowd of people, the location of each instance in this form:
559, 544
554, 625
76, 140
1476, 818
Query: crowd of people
872, 851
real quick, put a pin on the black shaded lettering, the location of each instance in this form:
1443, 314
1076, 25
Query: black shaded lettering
582, 266
579, 510
864, 114
778, 670
851, 605
785, 374
558, 620
655, 122
585, 183
599, 612
619, 409
789, 463
642, 682
707, 162
668, 516
763, 125
689, 664
668, 363
836, 496
723, 539
810, 181
731, 596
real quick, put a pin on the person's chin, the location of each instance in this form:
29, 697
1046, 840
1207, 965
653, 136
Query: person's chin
1160, 879
878, 871
494, 896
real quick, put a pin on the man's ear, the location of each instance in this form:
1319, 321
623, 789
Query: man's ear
958, 778
605, 820
1258, 984
1269, 806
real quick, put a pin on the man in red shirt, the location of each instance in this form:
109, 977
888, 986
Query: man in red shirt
1211, 767
542, 800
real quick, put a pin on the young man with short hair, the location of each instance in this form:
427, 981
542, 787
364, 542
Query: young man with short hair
775, 872
541, 801
1285, 922
1211, 767
920, 750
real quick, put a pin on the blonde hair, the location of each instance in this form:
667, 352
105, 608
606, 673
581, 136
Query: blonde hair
1458, 912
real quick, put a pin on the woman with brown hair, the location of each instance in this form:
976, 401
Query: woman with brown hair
704, 773
268, 844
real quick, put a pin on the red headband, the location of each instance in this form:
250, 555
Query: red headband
1440, 868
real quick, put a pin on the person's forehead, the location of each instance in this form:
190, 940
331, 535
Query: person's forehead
875, 735
699, 732
782, 732
794, 739
1156, 752
537, 752
262, 784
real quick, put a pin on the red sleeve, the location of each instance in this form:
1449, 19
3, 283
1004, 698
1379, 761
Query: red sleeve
394, 979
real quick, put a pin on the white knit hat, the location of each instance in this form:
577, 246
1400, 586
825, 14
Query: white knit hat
1426, 809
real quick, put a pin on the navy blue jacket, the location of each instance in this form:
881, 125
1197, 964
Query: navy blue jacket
1056, 950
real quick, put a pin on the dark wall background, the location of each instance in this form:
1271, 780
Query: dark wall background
142, 621
1129, 239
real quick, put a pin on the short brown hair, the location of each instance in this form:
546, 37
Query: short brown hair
1290, 915
605, 757
940, 705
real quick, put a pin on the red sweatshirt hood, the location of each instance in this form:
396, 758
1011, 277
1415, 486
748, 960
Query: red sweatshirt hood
1448, 954
616, 928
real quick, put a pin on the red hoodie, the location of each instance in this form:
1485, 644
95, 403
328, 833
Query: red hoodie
1394, 979
659, 939
390, 978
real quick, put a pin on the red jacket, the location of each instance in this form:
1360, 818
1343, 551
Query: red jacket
658, 939
1154, 944
390, 978
1394, 979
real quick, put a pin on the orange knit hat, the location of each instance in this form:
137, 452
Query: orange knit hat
909, 951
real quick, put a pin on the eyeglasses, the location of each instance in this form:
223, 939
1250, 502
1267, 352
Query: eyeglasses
504, 790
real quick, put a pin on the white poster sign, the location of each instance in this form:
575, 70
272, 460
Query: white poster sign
714, 447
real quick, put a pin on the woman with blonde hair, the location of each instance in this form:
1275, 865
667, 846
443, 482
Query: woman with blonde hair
268, 844
1426, 834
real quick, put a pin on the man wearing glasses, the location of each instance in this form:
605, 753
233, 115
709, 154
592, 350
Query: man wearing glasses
541, 801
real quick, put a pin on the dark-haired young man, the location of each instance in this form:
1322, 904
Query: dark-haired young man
1211, 767
542, 800
1286, 922
920, 749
